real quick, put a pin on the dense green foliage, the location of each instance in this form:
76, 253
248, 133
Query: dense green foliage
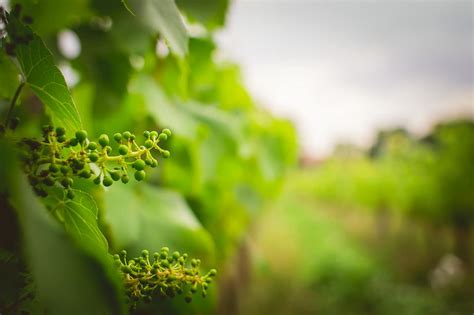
137, 69
380, 231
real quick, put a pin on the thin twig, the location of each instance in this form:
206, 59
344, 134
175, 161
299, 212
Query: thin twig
12, 104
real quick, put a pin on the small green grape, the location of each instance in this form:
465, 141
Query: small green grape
140, 175
153, 134
149, 144
118, 137
60, 131
163, 137
123, 149
167, 132
67, 182
81, 135
125, 178
166, 154
53, 168
97, 180
62, 138
73, 142
139, 165
146, 134
92, 146
104, 140
48, 181
115, 175
93, 157
107, 181
126, 135
85, 174
64, 169
70, 194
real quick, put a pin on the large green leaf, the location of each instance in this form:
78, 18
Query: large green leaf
8, 77
79, 216
45, 79
164, 17
148, 217
69, 280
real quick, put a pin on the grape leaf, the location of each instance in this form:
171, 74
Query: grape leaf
69, 279
164, 17
79, 216
45, 79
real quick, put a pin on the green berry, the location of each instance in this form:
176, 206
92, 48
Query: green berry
60, 131
140, 175
146, 134
139, 165
167, 132
107, 181
163, 137
85, 174
153, 134
118, 137
108, 149
70, 194
81, 135
212, 272
97, 180
92, 146
53, 168
145, 253
166, 154
125, 178
64, 169
123, 149
48, 181
154, 163
104, 140
149, 144
93, 157
126, 135
73, 142
115, 175
132, 137
67, 182
62, 138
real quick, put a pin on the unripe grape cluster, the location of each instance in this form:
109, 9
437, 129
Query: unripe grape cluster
57, 160
164, 275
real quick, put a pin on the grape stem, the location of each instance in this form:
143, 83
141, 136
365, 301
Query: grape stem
13, 102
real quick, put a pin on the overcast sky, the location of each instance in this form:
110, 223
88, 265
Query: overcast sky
343, 69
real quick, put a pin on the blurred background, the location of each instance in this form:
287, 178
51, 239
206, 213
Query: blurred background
322, 151
377, 218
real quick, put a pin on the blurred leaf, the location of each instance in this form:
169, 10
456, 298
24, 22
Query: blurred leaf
151, 218
68, 279
45, 79
211, 13
164, 17
52, 16
186, 120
